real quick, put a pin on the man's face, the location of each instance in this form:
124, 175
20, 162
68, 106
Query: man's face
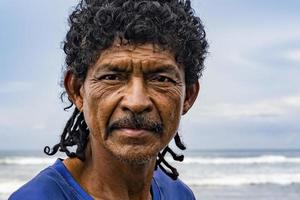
132, 100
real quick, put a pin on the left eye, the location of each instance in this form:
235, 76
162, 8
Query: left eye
162, 79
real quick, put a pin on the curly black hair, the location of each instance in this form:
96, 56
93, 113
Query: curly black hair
96, 24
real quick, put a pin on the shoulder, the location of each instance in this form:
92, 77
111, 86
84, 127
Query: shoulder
48, 184
172, 189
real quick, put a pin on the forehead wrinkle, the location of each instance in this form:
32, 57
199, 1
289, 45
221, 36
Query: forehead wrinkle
145, 61
141, 57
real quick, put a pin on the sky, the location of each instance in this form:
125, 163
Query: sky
250, 89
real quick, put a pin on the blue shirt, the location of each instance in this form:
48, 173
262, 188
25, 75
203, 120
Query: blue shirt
56, 183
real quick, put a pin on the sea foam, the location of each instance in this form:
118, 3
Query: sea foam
26, 161
247, 179
9, 186
264, 159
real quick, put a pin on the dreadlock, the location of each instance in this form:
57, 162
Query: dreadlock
161, 158
96, 24
74, 133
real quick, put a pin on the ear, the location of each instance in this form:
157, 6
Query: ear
191, 94
73, 86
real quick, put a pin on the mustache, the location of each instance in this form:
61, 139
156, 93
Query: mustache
136, 122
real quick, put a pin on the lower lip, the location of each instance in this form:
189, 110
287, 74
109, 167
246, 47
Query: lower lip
134, 132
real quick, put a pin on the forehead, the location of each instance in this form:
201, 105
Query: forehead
145, 55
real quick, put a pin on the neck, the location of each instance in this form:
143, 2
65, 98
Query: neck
105, 177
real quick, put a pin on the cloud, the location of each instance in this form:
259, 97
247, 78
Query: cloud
15, 86
269, 108
293, 55
36, 109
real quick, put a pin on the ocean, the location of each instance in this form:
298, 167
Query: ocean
212, 174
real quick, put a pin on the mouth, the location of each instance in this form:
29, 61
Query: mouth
133, 133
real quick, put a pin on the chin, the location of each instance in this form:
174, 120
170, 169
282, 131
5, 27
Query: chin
138, 155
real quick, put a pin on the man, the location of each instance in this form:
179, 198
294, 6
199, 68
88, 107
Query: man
132, 72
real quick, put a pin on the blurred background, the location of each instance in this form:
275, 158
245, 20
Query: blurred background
243, 133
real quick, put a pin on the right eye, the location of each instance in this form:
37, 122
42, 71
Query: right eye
110, 77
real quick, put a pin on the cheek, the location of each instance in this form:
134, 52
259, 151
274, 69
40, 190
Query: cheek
170, 103
99, 104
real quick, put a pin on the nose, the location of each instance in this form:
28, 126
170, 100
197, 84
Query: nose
136, 98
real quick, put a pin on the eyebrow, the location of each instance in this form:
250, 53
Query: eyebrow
115, 68
163, 69
168, 68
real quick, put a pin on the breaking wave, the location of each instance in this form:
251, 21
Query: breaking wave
264, 159
26, 161
248, 179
